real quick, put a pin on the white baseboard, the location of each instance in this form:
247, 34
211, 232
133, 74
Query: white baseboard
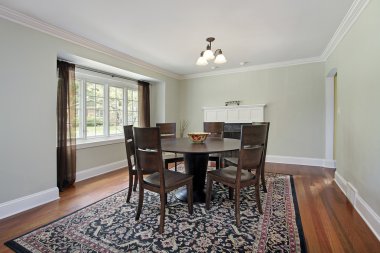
99, 170
341, 182
15, 206
369, 216
301, 161
329, 163
18, 205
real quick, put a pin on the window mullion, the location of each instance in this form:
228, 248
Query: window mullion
125, 107
84, 110
106, 110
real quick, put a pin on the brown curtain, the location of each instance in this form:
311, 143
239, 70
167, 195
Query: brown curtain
144, 104
66, 124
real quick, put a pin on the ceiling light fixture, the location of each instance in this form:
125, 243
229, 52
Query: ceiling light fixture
208, 55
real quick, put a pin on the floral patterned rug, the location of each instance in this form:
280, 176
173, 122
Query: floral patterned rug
109, 225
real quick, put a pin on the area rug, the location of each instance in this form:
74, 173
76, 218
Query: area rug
109, 225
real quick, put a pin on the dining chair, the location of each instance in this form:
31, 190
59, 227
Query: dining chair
130, 150
232, 161
169, 130
216, 130
152, 174
250, 159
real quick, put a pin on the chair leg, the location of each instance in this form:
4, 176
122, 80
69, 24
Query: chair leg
258, 201
217, 164
175, 166
130, 187
166, 165
263, 180
162, 212
141, 199
208, 192
237, 206
190, 197
230, 193
135, 183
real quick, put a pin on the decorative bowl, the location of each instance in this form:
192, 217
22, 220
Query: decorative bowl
198, 137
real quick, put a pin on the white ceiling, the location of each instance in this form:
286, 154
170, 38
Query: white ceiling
171, 34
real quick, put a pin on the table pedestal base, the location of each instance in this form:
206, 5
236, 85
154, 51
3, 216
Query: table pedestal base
196, 165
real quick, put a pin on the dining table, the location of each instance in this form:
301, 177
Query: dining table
196, 157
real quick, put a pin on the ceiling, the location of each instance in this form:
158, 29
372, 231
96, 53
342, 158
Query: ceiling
171, 34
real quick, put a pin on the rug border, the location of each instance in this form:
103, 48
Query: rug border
298, 217
15, 246
20, 249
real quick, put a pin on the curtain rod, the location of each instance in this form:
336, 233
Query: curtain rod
100, 71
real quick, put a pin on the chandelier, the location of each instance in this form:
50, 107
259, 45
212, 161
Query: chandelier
208, 55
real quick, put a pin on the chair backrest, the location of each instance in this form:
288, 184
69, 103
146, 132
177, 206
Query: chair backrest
216, 129
255, 134
167, 130
129, 145
148, 151
251, 153
267, 134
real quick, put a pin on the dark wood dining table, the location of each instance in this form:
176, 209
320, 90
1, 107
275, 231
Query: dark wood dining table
196, 160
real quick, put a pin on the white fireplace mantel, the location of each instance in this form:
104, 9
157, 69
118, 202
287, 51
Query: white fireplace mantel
234, 114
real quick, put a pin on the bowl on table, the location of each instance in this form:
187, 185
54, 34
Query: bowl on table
198, 137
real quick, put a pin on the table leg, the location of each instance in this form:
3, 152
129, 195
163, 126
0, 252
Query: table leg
196, 165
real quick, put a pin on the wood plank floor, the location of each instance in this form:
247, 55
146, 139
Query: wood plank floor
329, 221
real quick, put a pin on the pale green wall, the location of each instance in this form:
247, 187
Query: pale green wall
357, 59
88, 158
28, 109
294, 98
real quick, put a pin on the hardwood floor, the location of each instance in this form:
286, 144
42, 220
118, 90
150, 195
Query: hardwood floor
329, 221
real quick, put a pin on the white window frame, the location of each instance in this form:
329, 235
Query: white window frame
88, 76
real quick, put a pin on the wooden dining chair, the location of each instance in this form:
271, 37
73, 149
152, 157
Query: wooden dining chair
130, 150
250, 160
169, 130
233, 161
157, 178
216, 130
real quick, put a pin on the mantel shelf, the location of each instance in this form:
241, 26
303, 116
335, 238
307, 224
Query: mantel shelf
235, 114
233, 106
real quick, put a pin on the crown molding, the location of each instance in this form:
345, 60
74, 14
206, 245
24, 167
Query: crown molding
44, 27
352, 15
255, 67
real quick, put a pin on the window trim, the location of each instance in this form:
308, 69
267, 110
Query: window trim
96, 142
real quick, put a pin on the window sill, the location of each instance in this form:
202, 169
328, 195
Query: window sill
96, 142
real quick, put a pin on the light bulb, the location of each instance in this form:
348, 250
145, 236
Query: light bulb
208, 55
219, 57
201, 61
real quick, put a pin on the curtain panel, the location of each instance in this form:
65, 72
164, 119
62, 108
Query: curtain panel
66, 125
144, 104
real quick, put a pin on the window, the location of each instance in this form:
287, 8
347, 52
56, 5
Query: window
94, 109
132, 107
78, 107
104, 105
116, 110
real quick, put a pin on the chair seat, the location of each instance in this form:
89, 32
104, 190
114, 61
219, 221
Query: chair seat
172, 156
229, 174
231, 160
172, 178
